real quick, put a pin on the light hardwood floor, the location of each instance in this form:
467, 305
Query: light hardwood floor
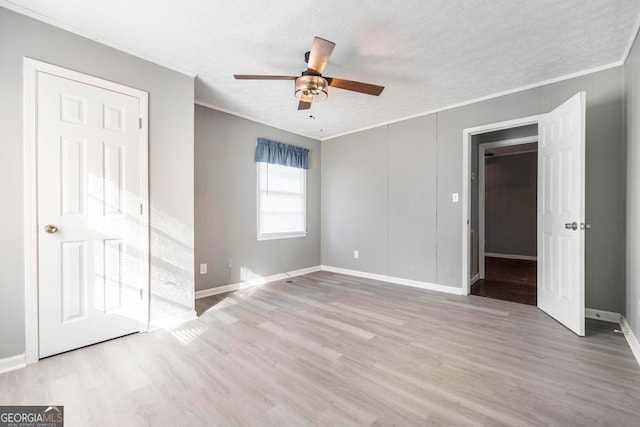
329, 349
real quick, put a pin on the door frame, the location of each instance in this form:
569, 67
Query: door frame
467, 135
482, 189
31, 68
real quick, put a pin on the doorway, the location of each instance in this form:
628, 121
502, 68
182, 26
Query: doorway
504, 204
561, 209
86, 205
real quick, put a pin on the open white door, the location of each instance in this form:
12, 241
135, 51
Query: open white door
561, 213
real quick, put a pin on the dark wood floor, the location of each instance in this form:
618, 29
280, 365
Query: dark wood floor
334, 350
508, 280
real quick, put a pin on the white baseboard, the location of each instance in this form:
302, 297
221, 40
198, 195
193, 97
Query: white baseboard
173, 321
254, 282
607, 316
510, 256
395, 280
631, 337
12, 363
474, 279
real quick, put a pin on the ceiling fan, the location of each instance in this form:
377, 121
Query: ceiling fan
311, 86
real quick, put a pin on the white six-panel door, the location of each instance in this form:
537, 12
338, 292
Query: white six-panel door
561, 149
89, 214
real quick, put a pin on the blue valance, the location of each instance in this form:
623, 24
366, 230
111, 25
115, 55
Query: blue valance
278, 153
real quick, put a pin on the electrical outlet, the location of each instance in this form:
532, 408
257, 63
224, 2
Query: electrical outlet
229, 264
203, 268
356, 254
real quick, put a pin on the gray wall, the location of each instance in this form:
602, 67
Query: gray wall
380, 198
170, 163
225, 187
510, 204
632, 286
504, 134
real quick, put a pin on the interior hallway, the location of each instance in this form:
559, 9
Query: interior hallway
508, 280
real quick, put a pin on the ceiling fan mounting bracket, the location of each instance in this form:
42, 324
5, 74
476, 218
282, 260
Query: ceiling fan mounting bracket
310, 73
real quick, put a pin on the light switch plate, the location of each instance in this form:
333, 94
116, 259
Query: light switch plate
455, 197
203, 268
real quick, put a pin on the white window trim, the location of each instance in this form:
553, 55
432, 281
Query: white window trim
277, 236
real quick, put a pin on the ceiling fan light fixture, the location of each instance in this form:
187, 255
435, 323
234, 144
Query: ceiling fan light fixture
311, 88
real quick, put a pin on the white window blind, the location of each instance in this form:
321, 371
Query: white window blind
281, 201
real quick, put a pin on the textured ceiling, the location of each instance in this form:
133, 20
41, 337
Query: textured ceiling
429, 54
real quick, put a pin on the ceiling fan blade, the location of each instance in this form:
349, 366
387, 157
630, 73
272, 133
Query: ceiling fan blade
304, 105
367, 88
260, 77
319, 55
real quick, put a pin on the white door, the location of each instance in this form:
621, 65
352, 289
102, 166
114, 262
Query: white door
89, 216
561, 213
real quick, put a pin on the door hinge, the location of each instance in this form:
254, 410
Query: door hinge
139, 122
140, 293
141, 209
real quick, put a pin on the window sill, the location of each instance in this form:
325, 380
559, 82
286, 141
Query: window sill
282, 236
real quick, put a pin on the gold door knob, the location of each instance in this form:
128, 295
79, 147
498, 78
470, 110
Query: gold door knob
49, 228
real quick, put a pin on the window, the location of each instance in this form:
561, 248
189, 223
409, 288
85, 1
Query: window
282, 201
